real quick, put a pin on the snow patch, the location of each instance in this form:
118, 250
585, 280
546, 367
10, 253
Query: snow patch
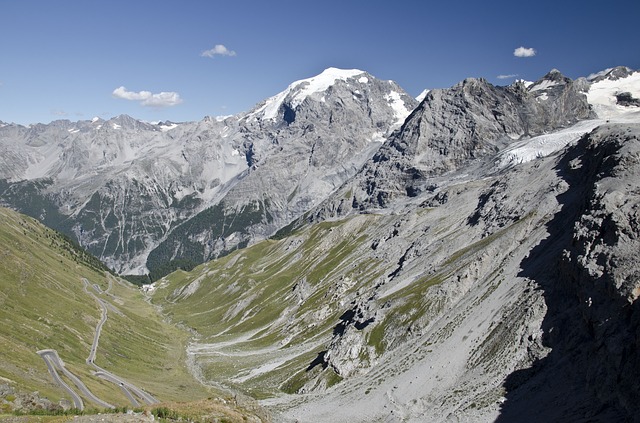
165, 128
363, 80
422, 95
399, 109
95, 119
543, 85
527, 84
116, 126
544, 145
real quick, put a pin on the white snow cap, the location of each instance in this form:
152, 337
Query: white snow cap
422, 95
593, 76
306, 87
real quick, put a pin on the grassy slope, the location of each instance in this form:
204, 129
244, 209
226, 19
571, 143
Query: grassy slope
252, 294
43, 305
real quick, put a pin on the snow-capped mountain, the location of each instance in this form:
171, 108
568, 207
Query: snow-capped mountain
300, 146
475, 128
316, 87
121, 186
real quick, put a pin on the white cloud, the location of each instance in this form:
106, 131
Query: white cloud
219, 50
147, 98
511, 75
524, 52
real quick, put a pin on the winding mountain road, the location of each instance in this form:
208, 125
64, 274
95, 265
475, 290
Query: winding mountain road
54, 364
126, 387
96, 336
52, 361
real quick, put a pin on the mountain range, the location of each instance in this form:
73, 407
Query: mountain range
149, 198
131, 192
351, 254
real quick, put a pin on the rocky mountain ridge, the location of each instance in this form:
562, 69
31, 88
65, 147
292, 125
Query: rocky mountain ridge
472, 120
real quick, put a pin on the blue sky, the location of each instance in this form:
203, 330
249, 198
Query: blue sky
79, 59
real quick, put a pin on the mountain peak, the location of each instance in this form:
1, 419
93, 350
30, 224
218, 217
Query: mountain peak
127, 122
556, 76
551, 80
123, 119
299, 90
612, 74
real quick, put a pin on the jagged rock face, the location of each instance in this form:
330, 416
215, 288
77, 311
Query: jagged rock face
470, 120
342, 125
599, 268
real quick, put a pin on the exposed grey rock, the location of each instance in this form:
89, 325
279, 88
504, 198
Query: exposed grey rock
600, 266
552, 243
468, 121
626, 99
586, 270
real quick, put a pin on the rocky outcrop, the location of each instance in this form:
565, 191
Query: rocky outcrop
588, 270
12, 400
468, 121
600, 268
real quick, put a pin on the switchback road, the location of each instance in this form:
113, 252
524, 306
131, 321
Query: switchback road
54, 364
